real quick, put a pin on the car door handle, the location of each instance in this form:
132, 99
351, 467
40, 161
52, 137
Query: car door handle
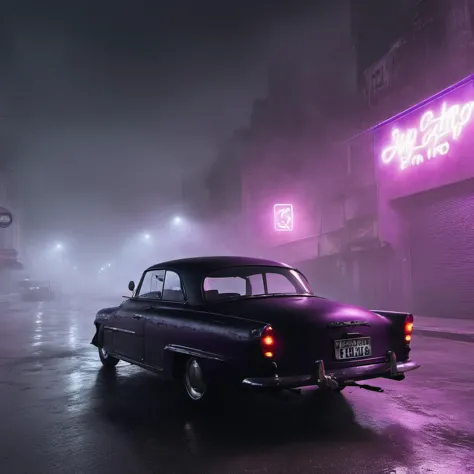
137, 316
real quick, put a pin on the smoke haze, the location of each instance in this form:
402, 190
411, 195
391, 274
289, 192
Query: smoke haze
112, 107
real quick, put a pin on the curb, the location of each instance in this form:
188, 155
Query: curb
440, 334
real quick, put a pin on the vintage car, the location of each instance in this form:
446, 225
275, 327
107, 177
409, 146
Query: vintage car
215, 322
37, 291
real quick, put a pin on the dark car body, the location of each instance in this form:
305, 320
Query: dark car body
36, 291
225, 335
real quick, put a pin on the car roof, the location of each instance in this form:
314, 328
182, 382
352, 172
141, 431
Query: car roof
206, 264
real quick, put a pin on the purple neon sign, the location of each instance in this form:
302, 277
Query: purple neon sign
283, 217
432, 136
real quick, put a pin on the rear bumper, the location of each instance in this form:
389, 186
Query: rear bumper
335, 378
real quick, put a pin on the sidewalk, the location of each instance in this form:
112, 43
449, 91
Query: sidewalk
448, 328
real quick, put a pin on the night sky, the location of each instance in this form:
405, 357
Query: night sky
110, 104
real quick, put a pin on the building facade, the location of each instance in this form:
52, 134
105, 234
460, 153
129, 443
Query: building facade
224, 179
425, 176
295, 165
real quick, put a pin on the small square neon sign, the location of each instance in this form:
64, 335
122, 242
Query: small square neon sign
283, 217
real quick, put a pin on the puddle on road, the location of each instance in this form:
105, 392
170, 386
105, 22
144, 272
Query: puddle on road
442, 433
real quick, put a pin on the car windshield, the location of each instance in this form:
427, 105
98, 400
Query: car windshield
252, 281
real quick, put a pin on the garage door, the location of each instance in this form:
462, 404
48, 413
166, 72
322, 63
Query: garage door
441, 240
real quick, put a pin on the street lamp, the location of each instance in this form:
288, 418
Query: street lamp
177, 220
59, 246
147, 236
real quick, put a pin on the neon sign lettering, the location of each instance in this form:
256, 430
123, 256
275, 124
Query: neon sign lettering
432, 138
283, 217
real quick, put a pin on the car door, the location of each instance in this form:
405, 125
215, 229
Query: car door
163, 318
129, 321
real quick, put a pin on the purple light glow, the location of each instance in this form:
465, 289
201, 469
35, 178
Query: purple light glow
283, 217
431, 138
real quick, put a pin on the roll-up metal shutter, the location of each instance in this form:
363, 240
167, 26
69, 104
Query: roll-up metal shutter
441, 242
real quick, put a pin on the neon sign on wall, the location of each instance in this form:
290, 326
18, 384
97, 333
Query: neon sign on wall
283, 217
432, 137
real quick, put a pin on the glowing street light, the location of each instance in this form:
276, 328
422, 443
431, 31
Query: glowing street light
59, 246
177, 220
147, 236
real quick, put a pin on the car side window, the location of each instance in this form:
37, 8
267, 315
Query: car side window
152, 285
173, 289
234, 286
278, 283
256, 281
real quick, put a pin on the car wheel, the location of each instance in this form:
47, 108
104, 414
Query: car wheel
194, 381
106, 359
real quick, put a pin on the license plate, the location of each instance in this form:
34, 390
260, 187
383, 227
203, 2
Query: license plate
353, 348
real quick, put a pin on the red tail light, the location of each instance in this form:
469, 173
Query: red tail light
267, 342
408, 328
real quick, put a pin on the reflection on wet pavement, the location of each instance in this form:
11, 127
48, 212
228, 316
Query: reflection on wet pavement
62, 411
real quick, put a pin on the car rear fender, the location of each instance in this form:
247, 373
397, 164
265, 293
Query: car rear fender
222, 345
397, 333
397, 318
215, 366
392, 315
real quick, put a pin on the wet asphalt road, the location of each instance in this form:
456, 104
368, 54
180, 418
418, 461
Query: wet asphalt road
61, 413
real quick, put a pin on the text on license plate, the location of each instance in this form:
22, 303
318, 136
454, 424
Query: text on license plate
353, 348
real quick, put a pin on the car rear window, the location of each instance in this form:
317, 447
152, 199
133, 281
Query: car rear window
247, 281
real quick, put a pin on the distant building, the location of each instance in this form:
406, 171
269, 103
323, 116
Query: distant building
282, 169
296, 168
224, 179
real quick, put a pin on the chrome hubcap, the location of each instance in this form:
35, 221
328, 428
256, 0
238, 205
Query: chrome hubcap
194, 380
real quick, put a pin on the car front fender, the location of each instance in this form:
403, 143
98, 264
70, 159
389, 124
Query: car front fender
101, 318
95, 339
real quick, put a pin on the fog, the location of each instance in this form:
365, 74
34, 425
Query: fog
112, 109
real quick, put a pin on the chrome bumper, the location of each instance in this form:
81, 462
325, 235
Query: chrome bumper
334, 378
